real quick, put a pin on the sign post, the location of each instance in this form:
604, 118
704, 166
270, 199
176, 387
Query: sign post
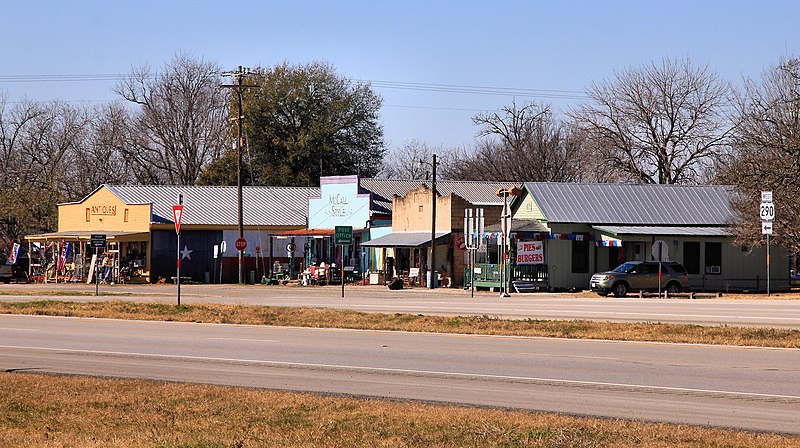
343, 235
177, 214
767, 212
473, 232
660, 252
223, 246
97, 241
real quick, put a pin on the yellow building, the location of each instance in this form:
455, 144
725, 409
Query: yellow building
141, 242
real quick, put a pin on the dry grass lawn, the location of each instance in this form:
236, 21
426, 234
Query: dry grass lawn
54, 411
331, 318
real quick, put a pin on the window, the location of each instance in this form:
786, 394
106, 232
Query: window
580, 257
691, 256
713, 258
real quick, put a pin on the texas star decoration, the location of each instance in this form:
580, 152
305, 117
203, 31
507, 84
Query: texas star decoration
186, 253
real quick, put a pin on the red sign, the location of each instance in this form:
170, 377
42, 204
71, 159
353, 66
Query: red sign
240, 244
177, 214
258, 249
460, 243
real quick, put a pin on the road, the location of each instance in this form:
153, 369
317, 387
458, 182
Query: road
753, 313
748, 388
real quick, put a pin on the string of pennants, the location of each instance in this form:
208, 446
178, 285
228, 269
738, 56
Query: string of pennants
556, 236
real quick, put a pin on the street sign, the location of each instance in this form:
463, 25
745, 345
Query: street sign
343, 235
240, 244
766, 227
98, 240
177, 214
766, 196
660, 250
767, 211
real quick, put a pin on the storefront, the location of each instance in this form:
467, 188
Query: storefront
588, 228
141, 243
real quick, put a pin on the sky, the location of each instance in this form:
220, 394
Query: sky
436, 64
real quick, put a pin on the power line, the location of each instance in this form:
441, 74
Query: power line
380, 84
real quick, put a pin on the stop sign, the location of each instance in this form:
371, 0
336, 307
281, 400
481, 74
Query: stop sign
240, 244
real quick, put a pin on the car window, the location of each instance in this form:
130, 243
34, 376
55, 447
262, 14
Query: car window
625, 268
677, 267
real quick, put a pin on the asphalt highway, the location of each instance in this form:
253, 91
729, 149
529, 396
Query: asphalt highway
734, 312
748, 388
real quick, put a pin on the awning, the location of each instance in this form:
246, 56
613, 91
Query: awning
663, 230
305, 232
405, 239
87, 234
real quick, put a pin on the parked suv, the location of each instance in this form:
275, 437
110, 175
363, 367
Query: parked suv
640, 276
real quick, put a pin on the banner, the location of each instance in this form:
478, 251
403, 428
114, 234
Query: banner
66, 250
530, 252
13, 255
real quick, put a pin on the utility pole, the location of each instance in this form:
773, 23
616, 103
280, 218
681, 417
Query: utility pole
239, 75
432, 271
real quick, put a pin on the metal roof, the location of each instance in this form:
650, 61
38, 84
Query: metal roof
403, 239
262, 206
633, 204
474, 192
519, 225
664, 231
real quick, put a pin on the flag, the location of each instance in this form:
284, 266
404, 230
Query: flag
13, 255
66, 249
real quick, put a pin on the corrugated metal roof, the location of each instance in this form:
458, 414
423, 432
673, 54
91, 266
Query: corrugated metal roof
403, 239
474, 192
262, 206
664, 231
633, 204
519, 225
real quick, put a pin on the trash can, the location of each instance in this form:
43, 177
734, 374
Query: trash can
435, 279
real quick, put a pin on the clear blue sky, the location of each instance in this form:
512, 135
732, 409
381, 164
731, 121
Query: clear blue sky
520, 45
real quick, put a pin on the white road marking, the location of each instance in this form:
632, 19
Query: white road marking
390, 370
553, 355
242, 339
18, 329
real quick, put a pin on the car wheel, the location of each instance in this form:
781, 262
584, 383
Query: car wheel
620, 289
674, 288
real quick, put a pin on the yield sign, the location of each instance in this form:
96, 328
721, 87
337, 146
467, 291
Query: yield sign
177, 214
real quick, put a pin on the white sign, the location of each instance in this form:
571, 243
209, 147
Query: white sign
766, 196
660, 248
767, 211
766, 227
530, 252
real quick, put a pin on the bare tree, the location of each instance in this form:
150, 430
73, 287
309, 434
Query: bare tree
181, 123
102, 158
404, 163
657, 124
525, 143
39, 141
766, 154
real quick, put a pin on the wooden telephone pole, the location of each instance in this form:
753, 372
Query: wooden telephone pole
239, 75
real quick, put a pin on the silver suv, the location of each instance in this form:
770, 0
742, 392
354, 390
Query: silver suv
640, 276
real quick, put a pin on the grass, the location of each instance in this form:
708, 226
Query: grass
55, 411
22, 292
487, 325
